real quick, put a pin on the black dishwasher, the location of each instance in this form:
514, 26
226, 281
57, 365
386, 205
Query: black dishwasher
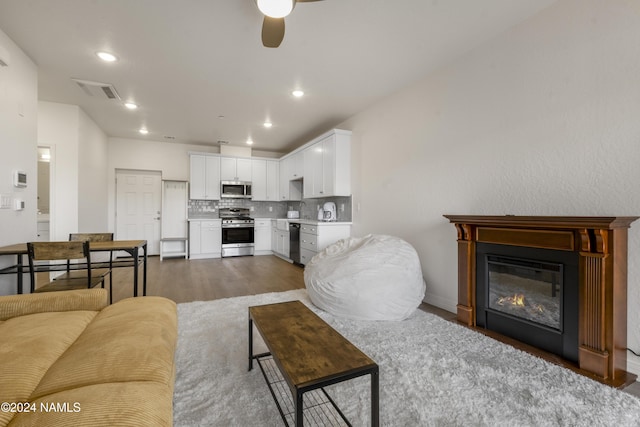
294, 242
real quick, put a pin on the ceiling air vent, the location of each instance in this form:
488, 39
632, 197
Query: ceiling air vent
97, 89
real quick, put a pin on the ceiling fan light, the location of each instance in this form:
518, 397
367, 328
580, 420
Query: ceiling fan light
275, 8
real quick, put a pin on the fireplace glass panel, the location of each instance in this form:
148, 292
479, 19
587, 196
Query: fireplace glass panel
526, 289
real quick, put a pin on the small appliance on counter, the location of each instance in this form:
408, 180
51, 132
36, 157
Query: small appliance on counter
329, 211
293, 214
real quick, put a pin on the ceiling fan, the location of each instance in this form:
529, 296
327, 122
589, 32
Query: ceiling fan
274, 12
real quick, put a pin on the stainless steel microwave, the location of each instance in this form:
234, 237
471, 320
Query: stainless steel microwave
235, 189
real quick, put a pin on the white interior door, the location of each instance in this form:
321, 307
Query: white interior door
138, 207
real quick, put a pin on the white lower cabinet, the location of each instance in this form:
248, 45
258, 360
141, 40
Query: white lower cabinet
262, 237
316, 237
205, 239
279, 241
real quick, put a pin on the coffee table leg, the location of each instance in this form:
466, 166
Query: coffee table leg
299, 420
375, 399
250, 343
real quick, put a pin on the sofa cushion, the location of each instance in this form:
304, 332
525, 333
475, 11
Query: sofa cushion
131, 340
30, 345
113, 404
82, 299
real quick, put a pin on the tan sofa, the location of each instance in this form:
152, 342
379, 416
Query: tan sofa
70, 359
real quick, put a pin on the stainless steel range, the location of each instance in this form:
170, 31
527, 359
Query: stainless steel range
237, 232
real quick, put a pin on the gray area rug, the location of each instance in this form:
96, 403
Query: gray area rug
432, 373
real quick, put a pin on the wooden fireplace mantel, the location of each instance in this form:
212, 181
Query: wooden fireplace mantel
601, 243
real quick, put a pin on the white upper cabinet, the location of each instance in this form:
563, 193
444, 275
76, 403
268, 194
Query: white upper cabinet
264, 184
204, 181
296, 166
289, 189
327, 166
197, 186
273, 175
284, 181
235, 169
322, 168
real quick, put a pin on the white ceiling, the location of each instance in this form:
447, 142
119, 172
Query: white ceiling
187, 62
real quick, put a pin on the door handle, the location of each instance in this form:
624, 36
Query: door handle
157, 218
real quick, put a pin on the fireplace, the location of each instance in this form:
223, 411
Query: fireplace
529, 294
558, 284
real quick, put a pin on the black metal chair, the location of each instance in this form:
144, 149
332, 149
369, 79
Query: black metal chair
98, 237
78, 274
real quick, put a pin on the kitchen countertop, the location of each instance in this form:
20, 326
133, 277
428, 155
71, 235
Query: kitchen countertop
316, 222
293, 220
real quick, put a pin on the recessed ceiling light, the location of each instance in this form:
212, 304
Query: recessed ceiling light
131, 105
107, 57
268, 124
143, 131
297, 93
249, 141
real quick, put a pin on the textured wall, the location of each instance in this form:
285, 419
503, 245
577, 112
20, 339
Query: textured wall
18, 149
542, 120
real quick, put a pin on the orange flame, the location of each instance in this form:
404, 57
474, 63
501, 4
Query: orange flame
516, 299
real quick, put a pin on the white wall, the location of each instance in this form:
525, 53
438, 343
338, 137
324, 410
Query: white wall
18, 149
78, 169
92, 171
58, 126
543, 120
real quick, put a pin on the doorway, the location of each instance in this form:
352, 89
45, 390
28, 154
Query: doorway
45, 175
138, 207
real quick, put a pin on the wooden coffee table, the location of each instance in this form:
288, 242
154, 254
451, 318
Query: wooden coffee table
307, 354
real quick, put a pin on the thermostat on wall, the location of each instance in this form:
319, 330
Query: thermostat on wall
19, 179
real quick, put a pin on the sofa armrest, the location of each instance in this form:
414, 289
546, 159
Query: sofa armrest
82, 299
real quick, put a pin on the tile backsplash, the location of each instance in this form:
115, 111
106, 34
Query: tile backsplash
308, 207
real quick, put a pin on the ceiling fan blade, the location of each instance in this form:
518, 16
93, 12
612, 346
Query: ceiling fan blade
272, 31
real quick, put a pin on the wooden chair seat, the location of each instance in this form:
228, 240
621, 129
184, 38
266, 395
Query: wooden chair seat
82, 274
70, 284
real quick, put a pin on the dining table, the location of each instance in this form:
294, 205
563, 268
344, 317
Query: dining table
137, 249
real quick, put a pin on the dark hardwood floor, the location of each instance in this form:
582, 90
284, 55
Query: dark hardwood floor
201, 280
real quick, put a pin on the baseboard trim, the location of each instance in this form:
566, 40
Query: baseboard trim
633, 364
438, 301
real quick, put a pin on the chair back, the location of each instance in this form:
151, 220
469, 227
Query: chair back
53, 251
91, 237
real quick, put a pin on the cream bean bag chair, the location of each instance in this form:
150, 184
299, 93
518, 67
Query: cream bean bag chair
375, 277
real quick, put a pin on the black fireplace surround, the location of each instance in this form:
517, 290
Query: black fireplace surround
529, 294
